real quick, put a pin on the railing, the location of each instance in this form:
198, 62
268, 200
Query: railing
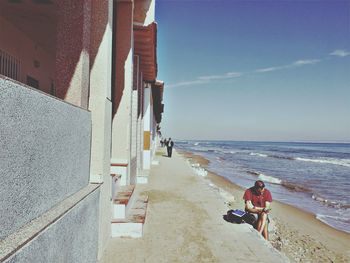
10, 66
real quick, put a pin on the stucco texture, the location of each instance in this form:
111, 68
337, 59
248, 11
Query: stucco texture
44, 153
73, 238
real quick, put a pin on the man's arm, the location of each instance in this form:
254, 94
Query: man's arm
252, 209
267, 205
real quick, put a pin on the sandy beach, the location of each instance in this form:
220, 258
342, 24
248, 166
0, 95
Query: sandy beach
296, 233
185, 222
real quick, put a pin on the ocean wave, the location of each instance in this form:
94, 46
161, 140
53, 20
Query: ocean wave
266, 178
196, 167
273, 180
258, 154
282, 157
342, 162
337, 218
330, 203
271, 156
269, 179
337, 222
253, 173
295, 187
220, 159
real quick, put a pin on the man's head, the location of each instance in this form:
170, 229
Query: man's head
259, 186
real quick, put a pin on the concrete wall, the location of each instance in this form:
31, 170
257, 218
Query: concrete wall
121, 120
147, 128
16, 43
45, 153
71, 239
133, 141
101, 110
139, 146
123, 59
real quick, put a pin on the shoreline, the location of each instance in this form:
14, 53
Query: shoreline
185, 223
295, 232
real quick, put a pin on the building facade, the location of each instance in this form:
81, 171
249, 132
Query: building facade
79, 102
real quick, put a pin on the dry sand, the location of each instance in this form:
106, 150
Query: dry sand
296, 233
185, 222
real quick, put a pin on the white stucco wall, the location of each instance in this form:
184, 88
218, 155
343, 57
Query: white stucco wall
100, 106
147, 125
122, 119
150, 16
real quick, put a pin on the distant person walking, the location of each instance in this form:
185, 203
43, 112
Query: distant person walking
169, 146
257, 202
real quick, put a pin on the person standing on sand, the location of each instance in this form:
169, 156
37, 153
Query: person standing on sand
257, 202
169, 146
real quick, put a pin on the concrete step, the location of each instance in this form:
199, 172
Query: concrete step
155, 162
120, 166
122, 201
142, 177
132, 226
115, 184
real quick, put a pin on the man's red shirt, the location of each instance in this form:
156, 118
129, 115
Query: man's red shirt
257, 199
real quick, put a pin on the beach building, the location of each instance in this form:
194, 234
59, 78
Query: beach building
80, 108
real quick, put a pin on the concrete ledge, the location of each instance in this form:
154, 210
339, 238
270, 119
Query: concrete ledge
132, 226
142, 177
122, 201
122, 170
155, 162
124, 194
14, 242
134, 230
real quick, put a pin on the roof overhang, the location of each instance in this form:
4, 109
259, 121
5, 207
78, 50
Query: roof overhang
157, 95
145, 46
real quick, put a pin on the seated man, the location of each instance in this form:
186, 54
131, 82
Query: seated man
257, 202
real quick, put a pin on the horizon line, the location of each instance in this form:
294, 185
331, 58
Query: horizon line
291, 141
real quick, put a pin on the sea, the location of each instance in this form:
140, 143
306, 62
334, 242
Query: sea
314, 177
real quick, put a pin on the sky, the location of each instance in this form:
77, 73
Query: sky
255, 70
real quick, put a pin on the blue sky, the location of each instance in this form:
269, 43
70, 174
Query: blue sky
255, 70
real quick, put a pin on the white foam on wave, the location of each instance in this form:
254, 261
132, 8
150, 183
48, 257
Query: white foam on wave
199, 170
335, 221
258, 154
342, 162
319, 198
270, 179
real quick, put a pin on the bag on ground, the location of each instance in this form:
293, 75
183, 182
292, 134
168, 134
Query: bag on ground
235, 216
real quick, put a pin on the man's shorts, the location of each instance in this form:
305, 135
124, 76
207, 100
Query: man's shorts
252, 218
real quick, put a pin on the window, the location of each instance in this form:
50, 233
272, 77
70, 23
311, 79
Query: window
9, 66
32, 82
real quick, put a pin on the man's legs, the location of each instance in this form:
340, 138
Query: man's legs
262, 225
265, 232
170, 151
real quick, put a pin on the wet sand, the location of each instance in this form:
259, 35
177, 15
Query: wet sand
294, 232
